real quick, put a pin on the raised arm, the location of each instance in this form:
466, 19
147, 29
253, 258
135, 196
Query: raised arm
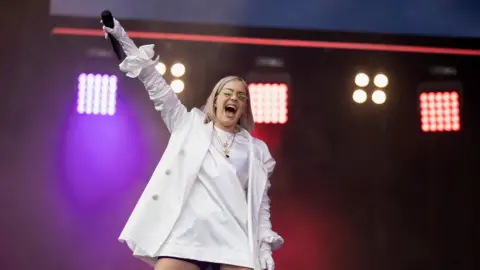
139, 63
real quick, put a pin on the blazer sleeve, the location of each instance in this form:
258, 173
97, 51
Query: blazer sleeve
266, 234
139, 63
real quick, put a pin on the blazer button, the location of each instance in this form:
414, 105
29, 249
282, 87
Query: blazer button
168, 172
182, 152
155, 197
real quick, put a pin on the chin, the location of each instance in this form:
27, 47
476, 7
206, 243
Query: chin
229, 122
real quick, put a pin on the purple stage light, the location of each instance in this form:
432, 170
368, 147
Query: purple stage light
97, 94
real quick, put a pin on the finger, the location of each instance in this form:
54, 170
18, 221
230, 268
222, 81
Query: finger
263, 264
270, 263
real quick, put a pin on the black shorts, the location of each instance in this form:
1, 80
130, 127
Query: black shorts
200, 264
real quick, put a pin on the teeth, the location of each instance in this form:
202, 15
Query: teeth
231, 107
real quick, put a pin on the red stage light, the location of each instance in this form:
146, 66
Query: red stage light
440, 111
269, 102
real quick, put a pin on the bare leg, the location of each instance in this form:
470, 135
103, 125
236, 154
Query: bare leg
174, 264
233, 267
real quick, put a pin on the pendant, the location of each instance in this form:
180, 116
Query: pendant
225, 152
225, 149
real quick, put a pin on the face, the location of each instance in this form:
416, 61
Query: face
231, 103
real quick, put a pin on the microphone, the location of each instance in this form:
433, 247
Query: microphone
107, 20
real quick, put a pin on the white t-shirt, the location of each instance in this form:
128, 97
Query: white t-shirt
212, 226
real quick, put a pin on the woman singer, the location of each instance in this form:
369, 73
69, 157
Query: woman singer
206, 204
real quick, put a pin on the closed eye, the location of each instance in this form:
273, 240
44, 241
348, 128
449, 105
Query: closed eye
227, 92
242, 96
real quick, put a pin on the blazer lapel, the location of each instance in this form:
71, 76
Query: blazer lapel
198, 144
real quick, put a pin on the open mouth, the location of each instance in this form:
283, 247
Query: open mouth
230, 110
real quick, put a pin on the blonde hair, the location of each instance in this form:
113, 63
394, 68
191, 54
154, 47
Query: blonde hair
246, 120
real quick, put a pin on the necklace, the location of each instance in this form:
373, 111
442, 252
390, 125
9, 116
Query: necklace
225, 145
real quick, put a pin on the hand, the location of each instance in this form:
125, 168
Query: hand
128, 46
265, 257
117, 31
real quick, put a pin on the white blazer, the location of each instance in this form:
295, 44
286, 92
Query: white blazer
160, 204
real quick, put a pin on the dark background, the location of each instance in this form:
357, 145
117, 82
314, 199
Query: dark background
356, 187
426, 17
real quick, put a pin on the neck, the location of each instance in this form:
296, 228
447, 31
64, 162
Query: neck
224, 128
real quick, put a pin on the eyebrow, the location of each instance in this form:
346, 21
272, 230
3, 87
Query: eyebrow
244, 92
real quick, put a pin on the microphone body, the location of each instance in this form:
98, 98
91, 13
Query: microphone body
107, 20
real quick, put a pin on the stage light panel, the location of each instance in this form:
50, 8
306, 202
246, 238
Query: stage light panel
97, 94
440, 111
269, 102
